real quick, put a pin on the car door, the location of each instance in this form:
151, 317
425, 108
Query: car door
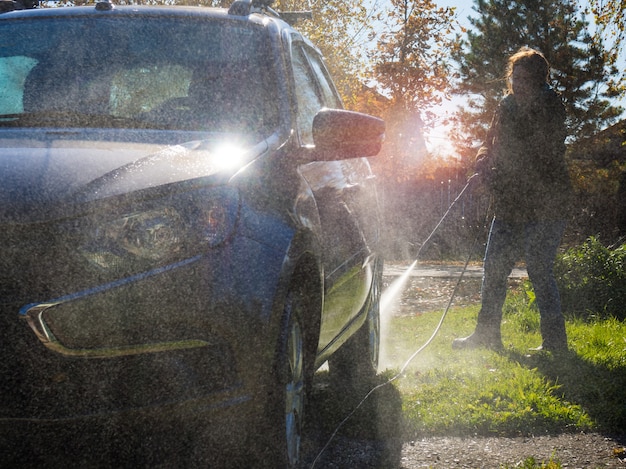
338, 187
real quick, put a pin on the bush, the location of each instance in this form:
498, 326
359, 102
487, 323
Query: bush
592, 280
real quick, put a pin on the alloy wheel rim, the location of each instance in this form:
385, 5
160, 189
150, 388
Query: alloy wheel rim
294, 393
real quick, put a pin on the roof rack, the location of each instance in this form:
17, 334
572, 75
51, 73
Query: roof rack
11, 5
247, 7
105, 5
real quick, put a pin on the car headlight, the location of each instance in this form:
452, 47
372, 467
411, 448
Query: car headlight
162, 231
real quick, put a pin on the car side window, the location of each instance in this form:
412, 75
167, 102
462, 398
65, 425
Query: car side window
314, 90
328, 90
308, 97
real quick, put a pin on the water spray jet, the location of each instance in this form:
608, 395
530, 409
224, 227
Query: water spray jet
388, 301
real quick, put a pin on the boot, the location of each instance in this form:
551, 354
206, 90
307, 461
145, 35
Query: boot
554, 335
482, 337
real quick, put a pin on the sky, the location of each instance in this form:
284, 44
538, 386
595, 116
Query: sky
437, 139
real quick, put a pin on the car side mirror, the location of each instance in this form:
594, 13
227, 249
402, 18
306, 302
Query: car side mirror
339, 134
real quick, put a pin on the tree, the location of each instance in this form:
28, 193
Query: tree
581, 66
610, 16
611, 12
410, 68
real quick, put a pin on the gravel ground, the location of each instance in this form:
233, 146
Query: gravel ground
572, 451
584, 451
430, 288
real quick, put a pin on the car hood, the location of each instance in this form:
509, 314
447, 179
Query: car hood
42, 177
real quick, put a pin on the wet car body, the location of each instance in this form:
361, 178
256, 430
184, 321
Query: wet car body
153, 253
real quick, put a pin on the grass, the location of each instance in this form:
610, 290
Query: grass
515, 392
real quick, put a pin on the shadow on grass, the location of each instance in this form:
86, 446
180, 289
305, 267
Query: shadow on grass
343, 431
598, 389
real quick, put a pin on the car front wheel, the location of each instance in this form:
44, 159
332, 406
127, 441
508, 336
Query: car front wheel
289, 386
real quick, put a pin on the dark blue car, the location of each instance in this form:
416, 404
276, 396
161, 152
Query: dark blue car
188, 230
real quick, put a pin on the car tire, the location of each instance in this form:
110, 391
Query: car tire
355, 365
290, 383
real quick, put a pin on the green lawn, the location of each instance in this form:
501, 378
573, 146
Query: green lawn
515, 392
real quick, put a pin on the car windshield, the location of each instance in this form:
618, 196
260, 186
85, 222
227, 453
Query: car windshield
136, 72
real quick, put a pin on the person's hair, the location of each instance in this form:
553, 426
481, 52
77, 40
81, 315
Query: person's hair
532, 61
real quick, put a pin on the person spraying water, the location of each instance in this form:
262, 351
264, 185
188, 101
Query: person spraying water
523, 164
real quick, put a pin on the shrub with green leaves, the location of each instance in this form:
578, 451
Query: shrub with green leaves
592, 280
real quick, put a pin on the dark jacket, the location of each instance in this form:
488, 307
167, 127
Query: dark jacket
523, 160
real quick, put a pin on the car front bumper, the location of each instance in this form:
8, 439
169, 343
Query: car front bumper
106, 378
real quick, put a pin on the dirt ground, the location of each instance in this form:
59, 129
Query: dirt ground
572, 451
430, 289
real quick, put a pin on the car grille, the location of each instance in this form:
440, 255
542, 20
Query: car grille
39, 382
